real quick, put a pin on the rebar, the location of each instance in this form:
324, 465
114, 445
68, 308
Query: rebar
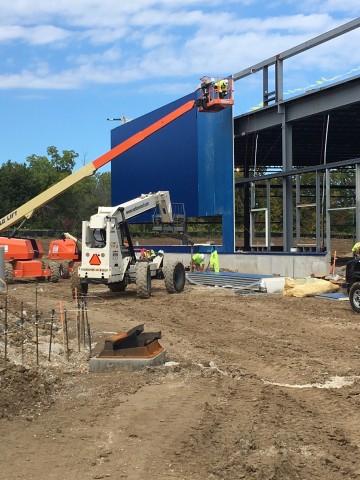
5, 331
22, 320
51, 330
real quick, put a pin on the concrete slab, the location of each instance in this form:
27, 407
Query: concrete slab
97, 364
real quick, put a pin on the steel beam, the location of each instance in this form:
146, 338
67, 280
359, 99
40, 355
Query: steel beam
320, 101
302, 47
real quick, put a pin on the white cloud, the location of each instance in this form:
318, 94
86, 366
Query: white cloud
40, 35
112, 42
349, 7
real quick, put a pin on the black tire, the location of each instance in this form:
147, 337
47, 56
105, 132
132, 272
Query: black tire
117, 286
9, 275
55, 272
77, 284
354, 297
175, 277
143, 280
64, 270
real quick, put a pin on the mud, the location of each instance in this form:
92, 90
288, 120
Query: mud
257, 387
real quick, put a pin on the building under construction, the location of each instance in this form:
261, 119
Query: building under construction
292, 166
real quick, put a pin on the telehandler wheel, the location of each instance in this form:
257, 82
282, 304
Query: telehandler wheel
117, 286
174, 273
77, 285
64, 270
143, 280
55, 272
354, 297
9, 275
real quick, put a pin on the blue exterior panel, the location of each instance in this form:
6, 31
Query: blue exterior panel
167, 160
191, 157
216, 171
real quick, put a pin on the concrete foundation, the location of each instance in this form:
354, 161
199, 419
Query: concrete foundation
297, 265
97, 365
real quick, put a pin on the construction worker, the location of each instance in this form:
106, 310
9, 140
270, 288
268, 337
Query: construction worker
214, 261
356, 250
222, 87
198, 262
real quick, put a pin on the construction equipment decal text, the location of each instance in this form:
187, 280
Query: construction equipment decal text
8, 217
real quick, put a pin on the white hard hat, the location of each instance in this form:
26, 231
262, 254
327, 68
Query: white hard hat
202, 256
161, 252
226, 80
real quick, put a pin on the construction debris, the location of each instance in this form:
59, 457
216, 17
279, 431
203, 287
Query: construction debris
234, 280
308, 287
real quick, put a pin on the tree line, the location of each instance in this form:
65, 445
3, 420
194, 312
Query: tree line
21, 182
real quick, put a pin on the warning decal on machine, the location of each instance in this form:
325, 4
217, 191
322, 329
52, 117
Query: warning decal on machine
95, 260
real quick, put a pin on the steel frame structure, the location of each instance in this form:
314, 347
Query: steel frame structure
277, 112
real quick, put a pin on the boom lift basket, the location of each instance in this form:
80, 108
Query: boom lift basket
217, 94
179, 220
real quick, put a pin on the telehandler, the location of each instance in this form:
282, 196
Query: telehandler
108, 254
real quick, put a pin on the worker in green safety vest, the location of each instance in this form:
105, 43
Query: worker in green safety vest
198, 262
222, 87
214, 261
356, 249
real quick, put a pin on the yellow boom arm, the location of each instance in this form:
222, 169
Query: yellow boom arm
27, 209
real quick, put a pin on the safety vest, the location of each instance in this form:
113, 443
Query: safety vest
356, 247
222, 86
197, 259
214, 261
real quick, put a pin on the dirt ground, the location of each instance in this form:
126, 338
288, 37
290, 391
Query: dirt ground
255, 387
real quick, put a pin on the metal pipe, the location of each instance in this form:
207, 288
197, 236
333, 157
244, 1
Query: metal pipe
5, 331
51, 331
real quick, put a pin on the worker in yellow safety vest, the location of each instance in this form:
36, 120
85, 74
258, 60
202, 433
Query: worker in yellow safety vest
214, 261
356, 249
222, 87
198, 262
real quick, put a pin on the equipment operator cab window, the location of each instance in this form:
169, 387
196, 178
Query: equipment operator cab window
99, 235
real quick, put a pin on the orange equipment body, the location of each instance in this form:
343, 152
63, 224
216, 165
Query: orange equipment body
25, 257
29, 268
63, 249
21, 248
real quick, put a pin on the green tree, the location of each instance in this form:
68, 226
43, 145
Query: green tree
17, 186
22, 182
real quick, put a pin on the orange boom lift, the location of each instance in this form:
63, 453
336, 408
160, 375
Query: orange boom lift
24, 256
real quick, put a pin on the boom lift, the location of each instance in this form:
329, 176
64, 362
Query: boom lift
108, 255
209, 100
66, 251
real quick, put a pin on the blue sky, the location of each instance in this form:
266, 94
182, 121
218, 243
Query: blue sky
67, 66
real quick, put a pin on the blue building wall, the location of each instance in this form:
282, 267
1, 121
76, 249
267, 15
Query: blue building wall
191, 157
216, 171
